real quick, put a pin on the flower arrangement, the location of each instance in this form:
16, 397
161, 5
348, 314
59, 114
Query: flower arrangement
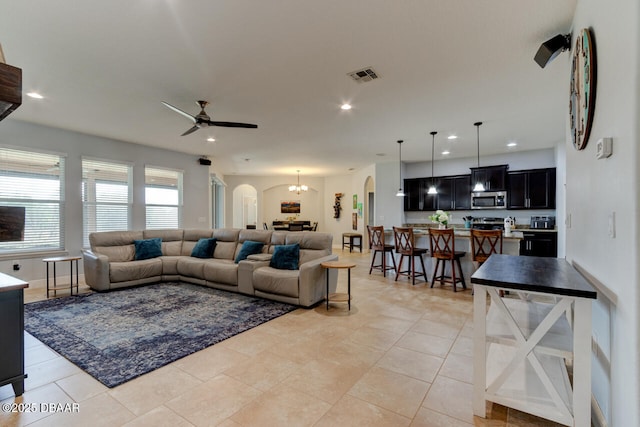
441, 217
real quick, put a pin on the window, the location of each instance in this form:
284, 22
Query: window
106, 197
34, 181
163, 197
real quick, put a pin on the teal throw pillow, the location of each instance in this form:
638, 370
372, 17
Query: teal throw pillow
204, 248
285, 257
249, 247
148, 248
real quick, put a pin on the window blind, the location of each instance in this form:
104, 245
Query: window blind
106, 196
35, 181
163, 198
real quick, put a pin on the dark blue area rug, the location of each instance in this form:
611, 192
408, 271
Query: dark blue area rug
119, 335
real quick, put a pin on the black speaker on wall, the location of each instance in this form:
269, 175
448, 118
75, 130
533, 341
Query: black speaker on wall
551, 48
205, 162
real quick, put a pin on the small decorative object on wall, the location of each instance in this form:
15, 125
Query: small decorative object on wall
355, 201
336, 205
290, 206
583, 89
359, 210
354, 220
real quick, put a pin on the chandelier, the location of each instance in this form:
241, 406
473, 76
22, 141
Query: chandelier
298, 188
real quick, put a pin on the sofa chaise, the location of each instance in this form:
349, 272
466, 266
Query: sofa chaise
114, 261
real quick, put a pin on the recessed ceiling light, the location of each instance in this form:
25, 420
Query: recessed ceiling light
346, 106
512, 144
211, 139
35, 95
445, 153
452, 137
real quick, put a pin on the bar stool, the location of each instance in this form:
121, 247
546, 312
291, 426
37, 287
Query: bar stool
483, 244
377, 245
405, 246
443, 248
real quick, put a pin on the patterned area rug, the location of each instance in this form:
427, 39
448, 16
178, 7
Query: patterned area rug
122, 334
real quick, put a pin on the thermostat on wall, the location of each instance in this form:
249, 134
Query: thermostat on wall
603, 148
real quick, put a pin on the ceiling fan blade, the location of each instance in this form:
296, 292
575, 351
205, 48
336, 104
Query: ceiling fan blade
179, 111
192, 130
232, 124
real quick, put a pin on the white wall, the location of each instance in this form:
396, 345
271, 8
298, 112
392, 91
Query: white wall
598, 189
75, 145
517, 160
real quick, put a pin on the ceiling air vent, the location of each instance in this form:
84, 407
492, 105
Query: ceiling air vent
364, 75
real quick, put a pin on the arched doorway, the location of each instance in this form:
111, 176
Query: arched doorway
245, 206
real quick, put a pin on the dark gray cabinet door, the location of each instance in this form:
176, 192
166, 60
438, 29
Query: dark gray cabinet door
532, 189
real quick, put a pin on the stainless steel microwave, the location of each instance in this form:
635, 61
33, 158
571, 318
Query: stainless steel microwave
489, 200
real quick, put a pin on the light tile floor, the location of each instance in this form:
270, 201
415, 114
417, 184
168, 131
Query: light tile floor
401, 357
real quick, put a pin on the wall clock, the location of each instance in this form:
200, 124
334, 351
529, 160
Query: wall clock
583, 89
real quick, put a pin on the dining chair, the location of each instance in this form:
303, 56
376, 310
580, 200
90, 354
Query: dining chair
296, 227
405, 246
443, 248
378, 246
264, 224
315, 226
483, 244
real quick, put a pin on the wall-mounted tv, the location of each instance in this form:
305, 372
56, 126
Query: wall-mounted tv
11, 223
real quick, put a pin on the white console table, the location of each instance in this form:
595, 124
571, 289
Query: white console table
522, 346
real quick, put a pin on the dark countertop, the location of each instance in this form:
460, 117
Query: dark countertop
534, 274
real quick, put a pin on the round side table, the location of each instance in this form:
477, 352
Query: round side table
339, 297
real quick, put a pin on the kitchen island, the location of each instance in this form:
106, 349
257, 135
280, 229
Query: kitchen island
523, 344
12, 332
510, 245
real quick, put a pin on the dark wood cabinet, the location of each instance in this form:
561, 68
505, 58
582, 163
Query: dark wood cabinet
454, 192
12, 333
532, 189
539, 243
416, 198
494, 178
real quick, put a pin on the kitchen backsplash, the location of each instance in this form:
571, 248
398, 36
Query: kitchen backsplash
456, 217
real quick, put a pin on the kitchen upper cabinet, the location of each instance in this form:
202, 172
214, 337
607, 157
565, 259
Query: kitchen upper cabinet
412, 191
494, 178
532, 189
416, 197
454, 192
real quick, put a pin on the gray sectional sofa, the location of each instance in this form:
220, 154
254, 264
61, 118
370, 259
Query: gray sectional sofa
111, 262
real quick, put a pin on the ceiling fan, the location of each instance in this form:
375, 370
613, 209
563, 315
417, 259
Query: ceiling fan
202, 120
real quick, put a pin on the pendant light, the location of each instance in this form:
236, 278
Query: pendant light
432, 189
298, 188
479, 185
400, 193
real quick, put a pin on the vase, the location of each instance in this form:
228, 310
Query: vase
442, 226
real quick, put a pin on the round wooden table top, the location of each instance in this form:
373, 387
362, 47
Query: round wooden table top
337, 264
